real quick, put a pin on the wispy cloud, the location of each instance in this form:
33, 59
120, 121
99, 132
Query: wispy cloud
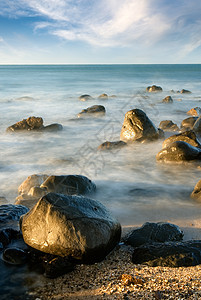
115, 22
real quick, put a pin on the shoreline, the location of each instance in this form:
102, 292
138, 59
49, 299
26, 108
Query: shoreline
104, 280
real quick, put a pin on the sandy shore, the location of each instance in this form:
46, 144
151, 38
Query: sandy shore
118, 278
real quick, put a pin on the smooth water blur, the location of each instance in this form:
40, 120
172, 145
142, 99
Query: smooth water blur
129, 181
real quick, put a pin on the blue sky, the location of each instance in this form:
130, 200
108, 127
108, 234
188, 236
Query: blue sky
100, 31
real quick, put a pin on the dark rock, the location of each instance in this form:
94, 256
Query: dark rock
52, 127
112, 145
188, 123
183, 91
71, 226
172, 254
197, 125
57, 266
194, 111
68, 184
168, 99
32, 123
168, 125
196, 194
138, 127
154, 88
95, 110
153, 232
103, 96
15, 256
179, 151
186, 136
85, 97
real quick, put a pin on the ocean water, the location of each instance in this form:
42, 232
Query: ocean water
129, 181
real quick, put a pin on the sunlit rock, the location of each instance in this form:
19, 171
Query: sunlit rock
168, 125
103, 96
186, 136
167, 99
95, 110
71, 226
31, 123
194, 111
196, 194
85, 97
154, 88
188, 123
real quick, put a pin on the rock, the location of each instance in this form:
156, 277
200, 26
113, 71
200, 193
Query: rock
112, 145
153, 232
168, 125
178, 151
103, 96
85, 97
71, 226
26, 200
170, 254
168, 99
34, 180
197, 126
154, 88
194, 111
196, 194
183, 91
52, 127
32, 123
15, 256
138, 127
186, 136
188, 123
68, 184
57, 266
95, 110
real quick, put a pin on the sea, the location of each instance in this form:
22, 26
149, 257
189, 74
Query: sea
130, 182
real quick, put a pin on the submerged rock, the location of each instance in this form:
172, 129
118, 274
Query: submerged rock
197, 126
154, 88
188, 123
172, 254
138, 127
168, 125
194, 111
52, 127
179, 151
168, 99
112, 145
196, 194
103, 96
186, 136
183, 91
95, 110
32, 123
71, 226
15, 256
85, 97
153, 232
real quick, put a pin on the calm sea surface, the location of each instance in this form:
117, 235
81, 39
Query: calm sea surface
129, 181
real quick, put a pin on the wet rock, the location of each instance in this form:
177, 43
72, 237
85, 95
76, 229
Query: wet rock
196, 194
197, 126
31, 123
186, 136
168, 125
85, 97
34, 180
188, 123
194, 111
15, 256
172, 254
179, 151
71, 226
154, 88
153, 232
52, 127
103, 96
95, 110
168, 99
138, 127
68, 184
112, 145
26, 200
57, 266
183, 91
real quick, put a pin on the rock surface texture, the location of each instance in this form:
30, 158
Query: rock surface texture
71, 226
186, 136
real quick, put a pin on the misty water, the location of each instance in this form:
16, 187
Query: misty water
130, 183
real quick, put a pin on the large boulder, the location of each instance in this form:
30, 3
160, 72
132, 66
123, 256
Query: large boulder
196, 194
34, 180
153, 232
112, 145
154, 88
71, 226
188, 123
179, 151
170, 254
186, 136
168, 125
138, 127
95, 110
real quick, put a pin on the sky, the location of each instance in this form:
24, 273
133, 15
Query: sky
100, 31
